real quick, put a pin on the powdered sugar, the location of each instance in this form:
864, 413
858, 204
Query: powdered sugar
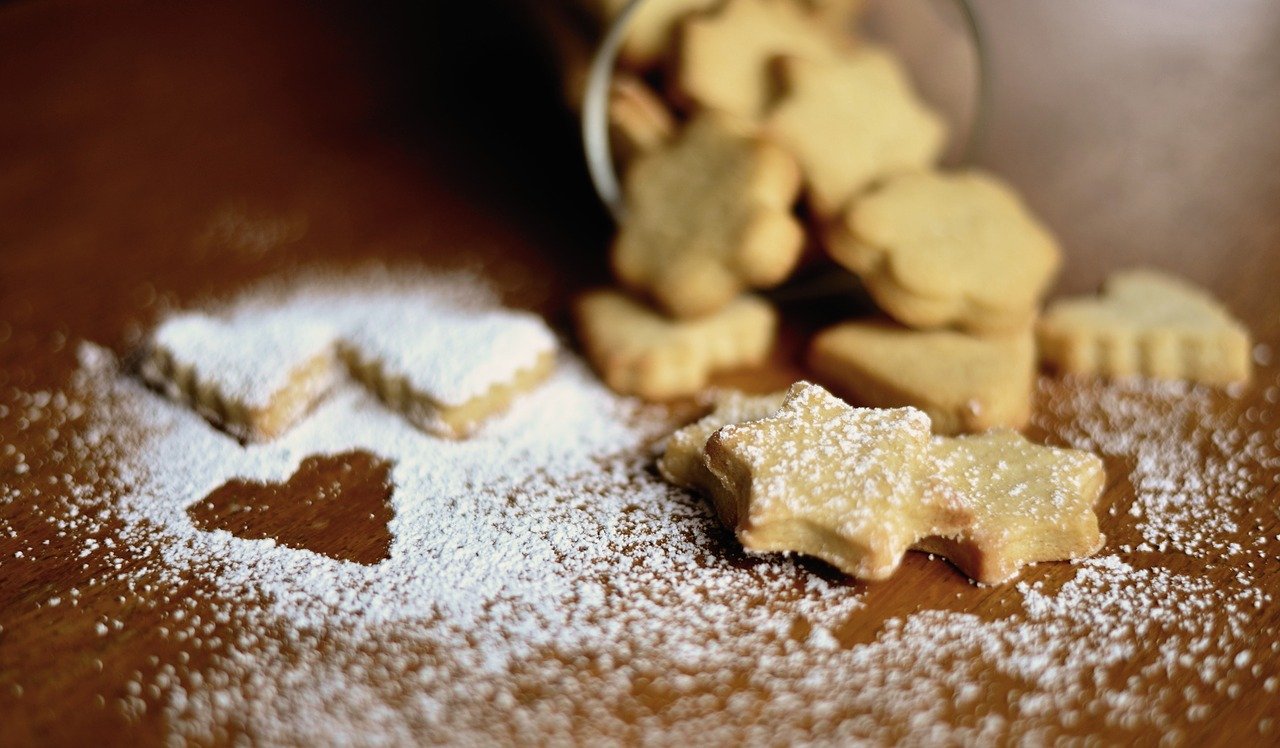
545, 586
451, 357
249, 360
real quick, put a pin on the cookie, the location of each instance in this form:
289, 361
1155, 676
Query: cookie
250, 377
1149, 324
850, 122
840, 483
683, 460
941, 250
459, 368
652, 31
1030, 503
639, 351
724, 58
708, 216
965, 383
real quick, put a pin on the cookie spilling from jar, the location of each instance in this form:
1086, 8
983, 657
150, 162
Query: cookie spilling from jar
757, 138
786, 141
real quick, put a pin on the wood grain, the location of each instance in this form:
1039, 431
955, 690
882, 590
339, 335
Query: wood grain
156, 154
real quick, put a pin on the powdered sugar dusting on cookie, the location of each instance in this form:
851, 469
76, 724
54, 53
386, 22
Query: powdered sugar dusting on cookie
450, 357
248, 360
546, 586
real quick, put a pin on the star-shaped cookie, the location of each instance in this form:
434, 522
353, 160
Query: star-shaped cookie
639, 351
724, 58
1030, 503
850, 121
1149, 324
840, 483
708, 216
942, 250
683, 461
963, 382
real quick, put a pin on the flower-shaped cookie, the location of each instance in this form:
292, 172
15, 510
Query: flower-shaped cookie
1148, 324
851, 121
724, 58
708, 216
825, 479
939, 250
1030, 503
640, 352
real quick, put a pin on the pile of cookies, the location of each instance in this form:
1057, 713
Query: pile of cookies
749, 131
776, 131
780, 131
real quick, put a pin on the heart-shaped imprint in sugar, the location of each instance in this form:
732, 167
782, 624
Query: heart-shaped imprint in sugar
253, 376
447, 370
1149, 324
335, 505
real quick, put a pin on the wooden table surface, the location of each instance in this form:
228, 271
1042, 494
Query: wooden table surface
162, 153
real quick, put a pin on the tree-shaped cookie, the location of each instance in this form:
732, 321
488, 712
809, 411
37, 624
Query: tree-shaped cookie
1030, 503
708, 216
724, 58
850, 121
683, 461
963, 382
840, 483
1150, 324
638, 351
940, 250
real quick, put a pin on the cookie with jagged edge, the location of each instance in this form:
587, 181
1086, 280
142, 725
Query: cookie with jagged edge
963, 382
1030, 503
828, 480
850, 121
1150, 324
653, 30
683, 460
253, 377
724, 58
639, 351
948, 250
708, 216
448, 371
